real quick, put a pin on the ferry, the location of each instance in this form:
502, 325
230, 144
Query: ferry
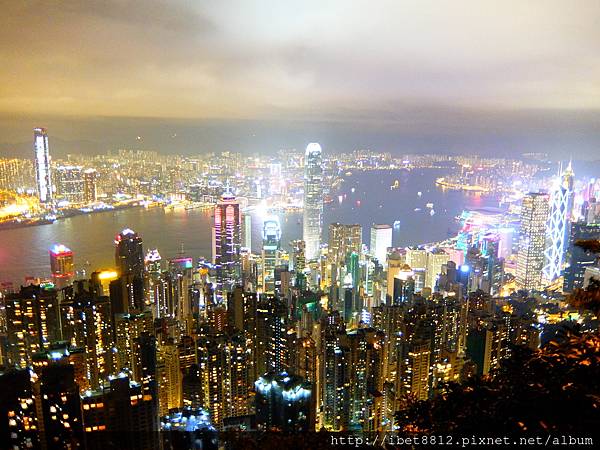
429, 205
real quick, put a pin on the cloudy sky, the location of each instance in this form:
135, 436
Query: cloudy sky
426, 74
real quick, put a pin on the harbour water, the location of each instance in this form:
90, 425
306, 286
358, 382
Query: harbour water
364, 198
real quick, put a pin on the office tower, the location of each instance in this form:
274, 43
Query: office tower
225, 366
403, 286
578, 259
90, 186
129, 253
298, 256
493, 271
416, 258
436, 258
181, 281
381, 240
247, 234
60, 407
19, 423
532, 241
32, 323
120, 415
557, 229
70, 184
129, 259
283, 403
61, 266
313, 200
227, 239
343, 240
43, 168
270, 250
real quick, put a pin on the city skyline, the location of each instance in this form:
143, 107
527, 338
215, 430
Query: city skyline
235, 225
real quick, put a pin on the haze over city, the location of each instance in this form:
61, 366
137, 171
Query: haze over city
419, 76
322, 224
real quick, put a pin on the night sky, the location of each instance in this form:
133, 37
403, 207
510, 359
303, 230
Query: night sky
189, 76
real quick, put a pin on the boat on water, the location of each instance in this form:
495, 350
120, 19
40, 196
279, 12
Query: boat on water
417, 209
328, 199
396, 224
429, 205
396, 185
432, 212
348, 174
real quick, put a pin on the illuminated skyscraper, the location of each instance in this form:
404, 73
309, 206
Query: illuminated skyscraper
343, 240
561, 204
381, 240
271, 246
129, 254
247, 235
61, 265
90, 181
43, 173
227, 240
70, 184
532, 240
129, 259
313, 200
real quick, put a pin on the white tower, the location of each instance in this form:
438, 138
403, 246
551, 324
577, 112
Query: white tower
313, 200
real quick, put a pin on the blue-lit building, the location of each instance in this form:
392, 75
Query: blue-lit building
283, 403
577, 258
188, 428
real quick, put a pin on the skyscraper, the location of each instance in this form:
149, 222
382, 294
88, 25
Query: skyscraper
344, 240
313, 200
227, 240
561, 204
271, 246
532, 240
70, 183
61, 265
129, 259
90, 190
381, 240
43, 172
129, 254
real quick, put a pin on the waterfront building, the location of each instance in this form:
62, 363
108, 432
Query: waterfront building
90, 186
381, 240
70, 186
313, 200
61, 266
532, 241
43, 167
227, 239
557, 229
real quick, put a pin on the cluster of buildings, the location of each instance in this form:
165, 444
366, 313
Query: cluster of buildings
333, 334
